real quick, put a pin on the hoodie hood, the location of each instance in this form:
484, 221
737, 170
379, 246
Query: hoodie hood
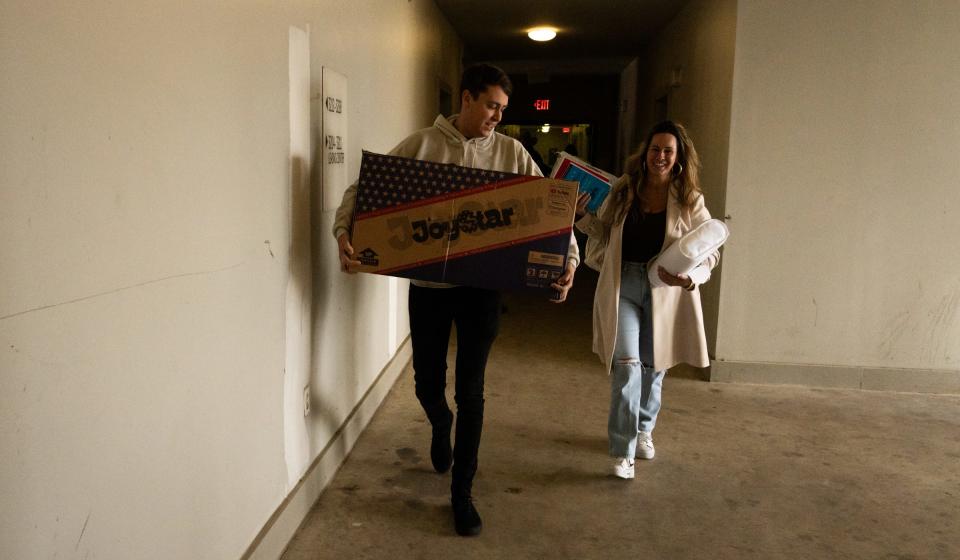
452, 134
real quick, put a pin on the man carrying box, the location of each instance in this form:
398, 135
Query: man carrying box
467, 139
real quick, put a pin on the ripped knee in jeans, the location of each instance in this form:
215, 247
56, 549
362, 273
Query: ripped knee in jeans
628, 361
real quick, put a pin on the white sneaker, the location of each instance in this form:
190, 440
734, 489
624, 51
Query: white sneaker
645, 448
623, 468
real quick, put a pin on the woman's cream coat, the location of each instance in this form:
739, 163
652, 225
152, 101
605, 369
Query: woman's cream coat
678, 334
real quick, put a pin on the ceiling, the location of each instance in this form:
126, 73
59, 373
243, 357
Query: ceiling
495, 30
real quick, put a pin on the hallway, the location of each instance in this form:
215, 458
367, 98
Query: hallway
742, 471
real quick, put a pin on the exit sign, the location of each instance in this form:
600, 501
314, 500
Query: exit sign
542, 104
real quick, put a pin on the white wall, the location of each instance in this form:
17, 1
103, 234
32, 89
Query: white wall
627, 120
699, 42
843, 187
146, 242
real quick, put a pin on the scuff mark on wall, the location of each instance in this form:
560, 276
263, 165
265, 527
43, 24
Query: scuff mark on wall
82, 531
926, 332
940, 327
893, 333
816, 312
269, 250
116, 290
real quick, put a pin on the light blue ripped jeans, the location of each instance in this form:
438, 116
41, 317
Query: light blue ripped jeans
634, 386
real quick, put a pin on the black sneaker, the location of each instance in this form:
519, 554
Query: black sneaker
441, 454
465, 517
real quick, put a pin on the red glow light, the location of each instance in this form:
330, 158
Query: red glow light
566, 130
542, 104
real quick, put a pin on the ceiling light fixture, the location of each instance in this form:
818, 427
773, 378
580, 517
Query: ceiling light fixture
542, 33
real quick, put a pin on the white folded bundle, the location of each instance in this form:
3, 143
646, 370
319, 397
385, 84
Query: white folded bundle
689, 251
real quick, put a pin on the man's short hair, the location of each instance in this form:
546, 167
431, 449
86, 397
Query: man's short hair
478, 77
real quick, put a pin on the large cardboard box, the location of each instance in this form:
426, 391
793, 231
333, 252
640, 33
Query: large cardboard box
445, 223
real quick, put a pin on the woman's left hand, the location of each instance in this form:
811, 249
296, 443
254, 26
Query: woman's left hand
582, 200
680, 280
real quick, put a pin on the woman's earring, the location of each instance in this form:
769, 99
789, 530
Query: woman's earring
643, 165
681, 169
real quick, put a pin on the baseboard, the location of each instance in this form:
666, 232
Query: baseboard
945, 382
283, 524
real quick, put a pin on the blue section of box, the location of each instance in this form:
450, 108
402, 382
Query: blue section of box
487, 269
597, 188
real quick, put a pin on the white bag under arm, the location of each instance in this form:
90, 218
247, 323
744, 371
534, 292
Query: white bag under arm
689, 251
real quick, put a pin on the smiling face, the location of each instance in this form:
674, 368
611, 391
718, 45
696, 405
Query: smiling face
479, 116
661, 155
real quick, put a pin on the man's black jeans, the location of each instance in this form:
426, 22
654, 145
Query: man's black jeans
476, 312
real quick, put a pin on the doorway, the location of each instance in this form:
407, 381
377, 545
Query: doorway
544, 141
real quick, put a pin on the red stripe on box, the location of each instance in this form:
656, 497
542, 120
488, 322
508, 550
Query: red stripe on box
486, 249
566, 165
448, 196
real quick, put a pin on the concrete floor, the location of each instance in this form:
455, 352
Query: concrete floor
742, 471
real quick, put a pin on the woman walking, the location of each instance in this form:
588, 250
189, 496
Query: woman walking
640, 331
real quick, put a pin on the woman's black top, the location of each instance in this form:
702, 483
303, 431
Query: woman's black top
643, 235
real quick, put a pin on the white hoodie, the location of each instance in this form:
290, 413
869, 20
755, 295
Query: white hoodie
443, 143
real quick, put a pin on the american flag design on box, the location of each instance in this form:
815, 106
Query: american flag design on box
390, 181
441, 222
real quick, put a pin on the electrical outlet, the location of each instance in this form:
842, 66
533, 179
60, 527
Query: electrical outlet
306, 401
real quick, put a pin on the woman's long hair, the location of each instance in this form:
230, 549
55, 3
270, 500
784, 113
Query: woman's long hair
685, 185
